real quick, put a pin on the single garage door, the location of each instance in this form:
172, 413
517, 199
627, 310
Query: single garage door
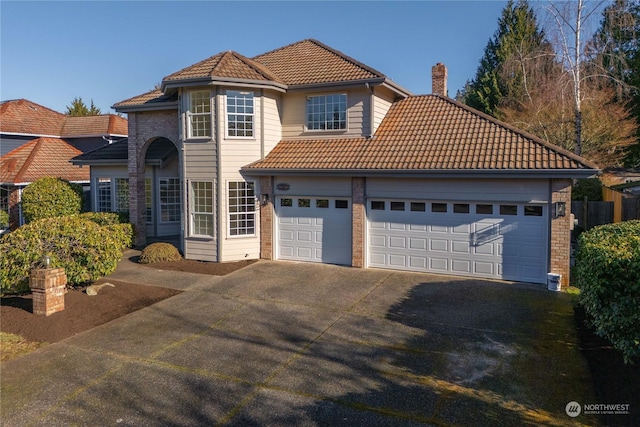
316, 229
494, 240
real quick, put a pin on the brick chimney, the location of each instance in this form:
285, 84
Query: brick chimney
439, 79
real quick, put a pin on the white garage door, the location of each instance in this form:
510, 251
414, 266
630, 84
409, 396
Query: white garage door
316, 229
494, 240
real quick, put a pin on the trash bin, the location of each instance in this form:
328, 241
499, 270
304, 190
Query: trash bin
554, 281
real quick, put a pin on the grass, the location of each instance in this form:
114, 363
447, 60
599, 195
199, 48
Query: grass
12, 346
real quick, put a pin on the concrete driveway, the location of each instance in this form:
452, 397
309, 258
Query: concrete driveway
280, 343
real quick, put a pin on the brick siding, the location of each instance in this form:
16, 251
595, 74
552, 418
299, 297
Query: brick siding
560, 245
357, 222
266, 219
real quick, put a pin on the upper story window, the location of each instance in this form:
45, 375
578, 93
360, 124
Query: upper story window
239, 113
199, 114
327, 112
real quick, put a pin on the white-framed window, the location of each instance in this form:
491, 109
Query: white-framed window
148, 196
201, 208
112, 195
239, 113
103, 195
199, 114
169, 192
242, 208
327, 112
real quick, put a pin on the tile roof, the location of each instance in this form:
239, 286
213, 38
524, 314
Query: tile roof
309, 61
427, 133
158, 152
228, 64
24, 117
40, 158
149, 98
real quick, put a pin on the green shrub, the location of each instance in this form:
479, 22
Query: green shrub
102, 218
4, 219
158, 252
608, 274
51, 197
591, 188
86, 250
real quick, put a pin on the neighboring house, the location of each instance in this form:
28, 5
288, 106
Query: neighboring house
306, 154
36, 142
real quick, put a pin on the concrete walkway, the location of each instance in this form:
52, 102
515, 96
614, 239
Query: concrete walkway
286, 344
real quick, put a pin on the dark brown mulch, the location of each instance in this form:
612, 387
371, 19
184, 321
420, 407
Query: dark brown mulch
83, 312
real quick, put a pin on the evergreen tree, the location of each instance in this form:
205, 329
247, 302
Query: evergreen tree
517, 49
79, 108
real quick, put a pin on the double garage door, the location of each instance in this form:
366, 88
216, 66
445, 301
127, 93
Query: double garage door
485, 239
494, 240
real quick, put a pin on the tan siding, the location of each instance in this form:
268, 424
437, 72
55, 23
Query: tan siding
293, 115
201, 250
314, 186
272, 122
381, 104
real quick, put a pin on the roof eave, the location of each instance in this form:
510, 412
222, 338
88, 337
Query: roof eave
431, 173
222, 81
154, 106
101, 162
37, 135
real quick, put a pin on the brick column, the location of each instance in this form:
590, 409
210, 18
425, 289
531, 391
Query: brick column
560, 255
358, 218
48, 289
266, 219
14, 207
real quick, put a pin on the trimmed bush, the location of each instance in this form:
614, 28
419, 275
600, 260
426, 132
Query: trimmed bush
608, 274
51, 197
102, 218
158, 252
4, 219
86, 250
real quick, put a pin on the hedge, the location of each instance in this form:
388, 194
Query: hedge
85, 249
50, 197
607, 272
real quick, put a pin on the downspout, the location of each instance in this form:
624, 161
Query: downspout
261, 123
216, 109
371, 110
183, 173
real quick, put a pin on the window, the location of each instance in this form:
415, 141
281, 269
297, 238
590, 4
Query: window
438, 207
397, 206
377, 205
286, 202
121, 194
327, 112
530, 210
199, 114
169, 199
508, 210
242, 208
202, 208
418, 207
322, 203
148, 195
342, 204
484, 209
460, 208
103, 195
304, 203
239, 113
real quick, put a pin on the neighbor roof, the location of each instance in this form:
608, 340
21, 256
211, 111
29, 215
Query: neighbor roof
23, 117
117, 153
41, 158
427, 134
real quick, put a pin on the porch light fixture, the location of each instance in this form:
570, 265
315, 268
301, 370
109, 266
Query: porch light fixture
264, 199
559, 209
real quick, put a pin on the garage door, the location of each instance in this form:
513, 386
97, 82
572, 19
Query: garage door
494, 240
316, 229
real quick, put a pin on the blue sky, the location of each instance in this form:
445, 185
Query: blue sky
52, 52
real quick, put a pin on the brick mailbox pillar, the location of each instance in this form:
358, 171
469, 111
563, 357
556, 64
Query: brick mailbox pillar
48, 288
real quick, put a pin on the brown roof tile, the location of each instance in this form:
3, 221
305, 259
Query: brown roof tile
427, 133
40, 158
25, 117
106, 124
152, 97
225, 65
309, 61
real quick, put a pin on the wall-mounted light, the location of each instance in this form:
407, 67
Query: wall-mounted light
264, 199
559, 209
46, 261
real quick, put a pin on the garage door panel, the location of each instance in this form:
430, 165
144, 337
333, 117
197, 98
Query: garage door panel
303, 236
492, 244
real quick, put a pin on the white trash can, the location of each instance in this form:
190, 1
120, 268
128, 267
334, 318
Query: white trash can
554, 281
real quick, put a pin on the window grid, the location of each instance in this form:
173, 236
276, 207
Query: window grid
327, 112
103, 196
169, 199
200, 114
121, 194
202, 208
148, 195
242, 207
239, 113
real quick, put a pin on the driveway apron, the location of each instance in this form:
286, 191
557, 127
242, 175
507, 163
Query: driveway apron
283, 343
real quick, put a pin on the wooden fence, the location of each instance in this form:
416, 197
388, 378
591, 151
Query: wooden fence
590, 214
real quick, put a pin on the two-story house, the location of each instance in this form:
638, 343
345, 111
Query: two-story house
37, 142
303, 153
